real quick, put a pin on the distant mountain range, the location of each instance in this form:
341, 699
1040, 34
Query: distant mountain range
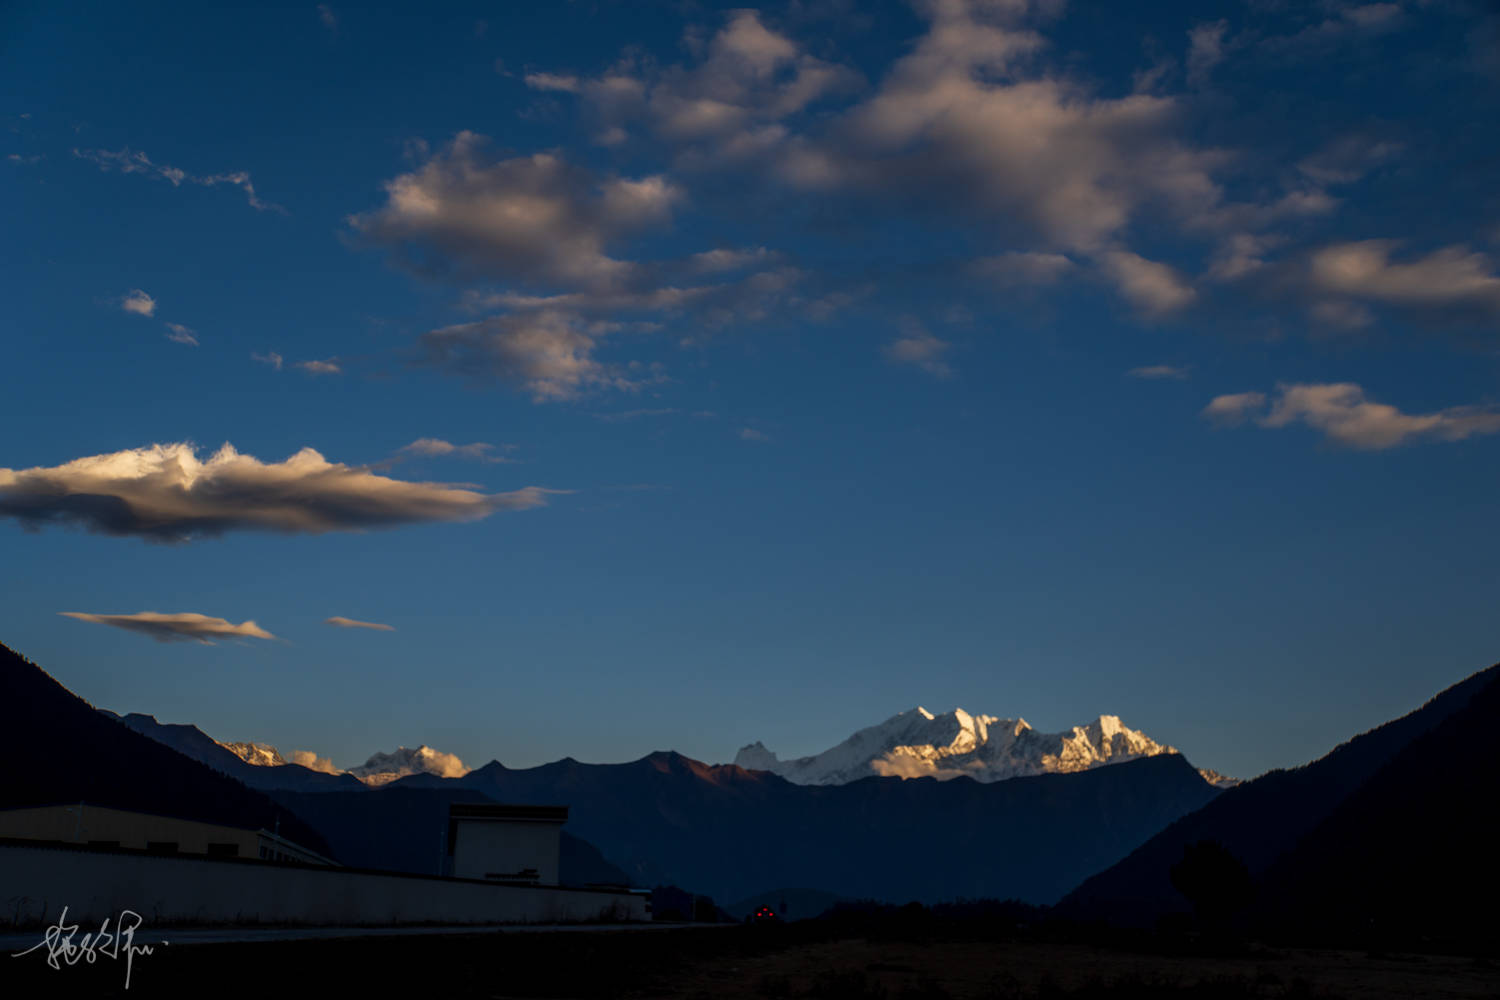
987, 748
57, 749
193, 742
1389, 833
261, 765
732, 832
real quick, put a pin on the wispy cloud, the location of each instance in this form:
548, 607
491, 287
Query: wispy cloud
343, 622
1152, 287
624, 415
751, 434
269, 358
182, 335
548, 352
1345, 416
328, 366
1159, 372
733, 103
434, 447
1453, 278
138, 302
1205, 50
185, 626
164, 493
328, 17
921, 349
1023, 268
128, 161
1234, 409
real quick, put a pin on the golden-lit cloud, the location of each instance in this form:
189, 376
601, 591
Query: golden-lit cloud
139, 302
1152, 287
184, 626
1453, 278
164, 493
1344, 415
311, 761
536, 219
343, 622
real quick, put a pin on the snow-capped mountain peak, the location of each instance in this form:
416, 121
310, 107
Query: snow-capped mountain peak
259, 754
379, 769
383, 768
918, 743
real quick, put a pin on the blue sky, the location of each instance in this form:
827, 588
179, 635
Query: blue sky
681, 376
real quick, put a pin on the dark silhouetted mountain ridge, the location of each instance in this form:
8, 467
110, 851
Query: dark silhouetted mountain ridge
1263, 821
57, 748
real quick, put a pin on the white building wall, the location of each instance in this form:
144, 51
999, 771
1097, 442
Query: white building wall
37, 882
482, 847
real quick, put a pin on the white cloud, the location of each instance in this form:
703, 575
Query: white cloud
311, 761
963, 120
1241, 255
1159, 372
922, 349
342, 622
269, 358
1234, 409
1205, 50
547, 352
1021, 268
731, 104
751, 434
127, 161
328, 366
1342, 313
552, 81
534, 219
165, 494
720, 260
1452, 278
138, 302
1346, 417
1152, 287
434, 447
182, 627
181, 334
1347, 159
1347, 21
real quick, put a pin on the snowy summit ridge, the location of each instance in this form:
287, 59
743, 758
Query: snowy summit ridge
918, 744
380, 769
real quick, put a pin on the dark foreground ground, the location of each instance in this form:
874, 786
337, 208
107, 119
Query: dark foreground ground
779, 962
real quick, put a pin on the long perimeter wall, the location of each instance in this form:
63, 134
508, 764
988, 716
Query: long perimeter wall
37, 881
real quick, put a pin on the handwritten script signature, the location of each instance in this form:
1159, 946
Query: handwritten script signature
62, 949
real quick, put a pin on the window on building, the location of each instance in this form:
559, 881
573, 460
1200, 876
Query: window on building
162, 846
223, 850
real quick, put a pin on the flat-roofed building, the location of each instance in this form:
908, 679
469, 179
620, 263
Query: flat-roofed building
505, 843
101, 826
